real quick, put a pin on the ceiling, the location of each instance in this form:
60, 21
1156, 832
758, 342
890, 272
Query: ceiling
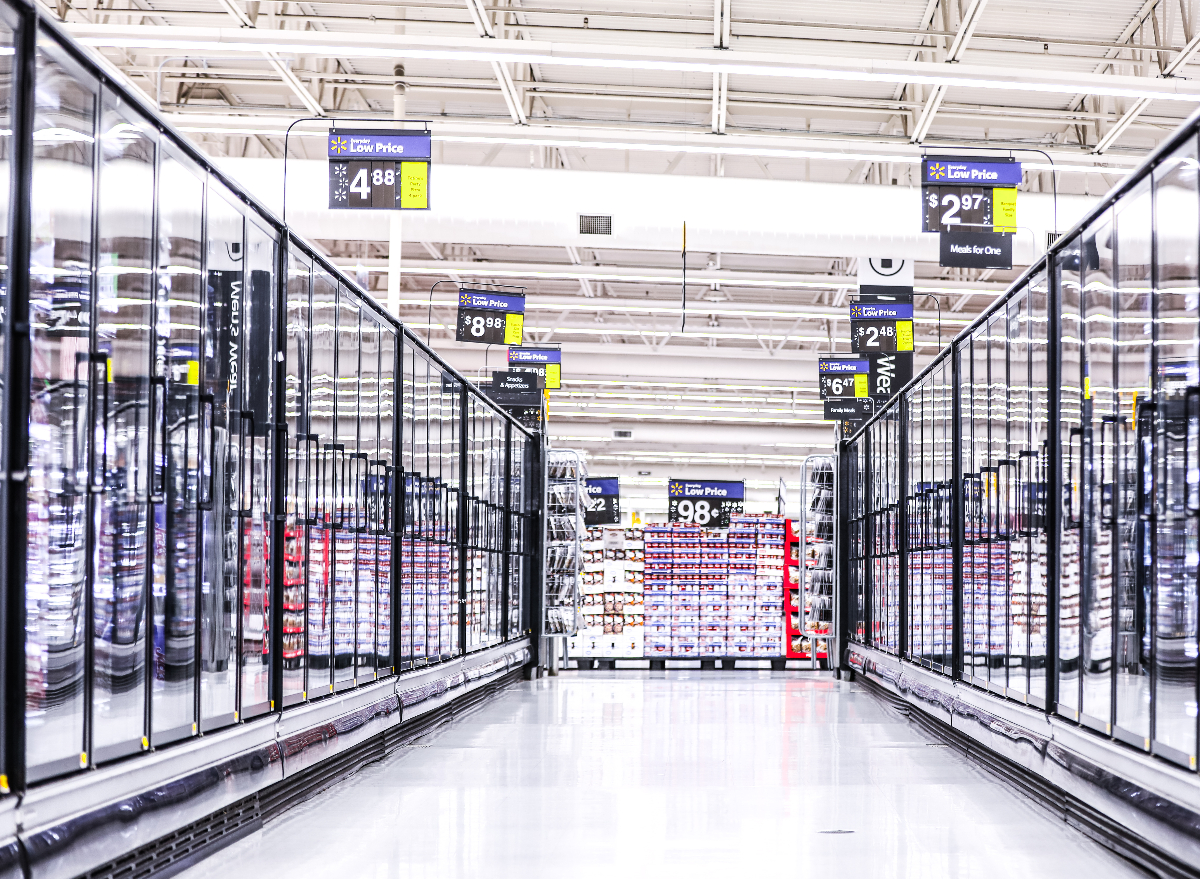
815, 101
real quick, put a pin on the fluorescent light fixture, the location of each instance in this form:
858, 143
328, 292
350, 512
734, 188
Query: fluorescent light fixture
730, 149
649, 57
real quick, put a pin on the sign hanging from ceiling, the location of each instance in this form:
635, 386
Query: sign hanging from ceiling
509, 388
881, 336
887, 277
710, 504
976, 250
888, 374
489, 318
603, 502
379, 170
546, 362
968, 201
841, 377
849, 410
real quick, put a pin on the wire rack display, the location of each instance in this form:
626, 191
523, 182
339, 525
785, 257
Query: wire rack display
816, 561
565, 474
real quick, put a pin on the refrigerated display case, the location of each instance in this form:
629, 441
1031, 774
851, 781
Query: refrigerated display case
1066, 535
219, 474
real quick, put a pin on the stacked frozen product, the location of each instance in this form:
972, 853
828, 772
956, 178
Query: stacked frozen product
672, 590
612, 599
755, 585
712, 594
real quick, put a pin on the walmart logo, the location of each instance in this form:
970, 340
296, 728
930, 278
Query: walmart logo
676, 489
338, 144
856, 311
937, 171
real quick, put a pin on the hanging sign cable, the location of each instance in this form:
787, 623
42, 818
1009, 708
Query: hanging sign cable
683, 322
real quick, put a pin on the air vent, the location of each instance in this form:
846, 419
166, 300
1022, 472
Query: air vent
594, 224
622, 434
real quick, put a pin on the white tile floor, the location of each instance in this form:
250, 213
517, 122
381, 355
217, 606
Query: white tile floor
628, 774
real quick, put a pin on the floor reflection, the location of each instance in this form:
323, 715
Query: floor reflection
675, 774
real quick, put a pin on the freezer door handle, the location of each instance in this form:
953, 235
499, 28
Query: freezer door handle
1004, 501
1145, 459
158, 439
1108, 468
1191, 450
1073, 488
206, 450
98, 385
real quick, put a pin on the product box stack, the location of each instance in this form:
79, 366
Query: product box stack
588, 643
756, 585
612, 600
657, 573
685, 590
714, 594
743, 565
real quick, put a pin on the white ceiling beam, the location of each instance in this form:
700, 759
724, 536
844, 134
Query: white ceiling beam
722, 29
585, 284
280, 66
508, 88
293, 82
966, 29
175, 40
1119, 128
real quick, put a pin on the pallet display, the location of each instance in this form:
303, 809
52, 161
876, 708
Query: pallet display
612, 600
712, 593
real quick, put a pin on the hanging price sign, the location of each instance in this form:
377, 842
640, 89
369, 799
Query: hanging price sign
710, 504
379, 170
839, 377
546, 362
489, 318
874, 336
603, 502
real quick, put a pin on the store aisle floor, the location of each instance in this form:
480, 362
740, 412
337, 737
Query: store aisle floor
628, 774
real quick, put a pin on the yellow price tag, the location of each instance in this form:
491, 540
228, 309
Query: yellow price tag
1004, 210
553, 376
904, 335
861, 385
1087, 387
193, 373
514, 326
414, 185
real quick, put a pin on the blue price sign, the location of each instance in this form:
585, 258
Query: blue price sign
386, 144
950, 172
603, 502
881, 311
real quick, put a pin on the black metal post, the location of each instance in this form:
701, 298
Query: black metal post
1053, 513
955, 512
902, 537
16, 405
464, 516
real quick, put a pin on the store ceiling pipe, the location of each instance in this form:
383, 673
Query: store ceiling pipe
541, 207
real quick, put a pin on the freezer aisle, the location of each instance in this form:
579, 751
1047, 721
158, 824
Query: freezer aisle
671, 774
